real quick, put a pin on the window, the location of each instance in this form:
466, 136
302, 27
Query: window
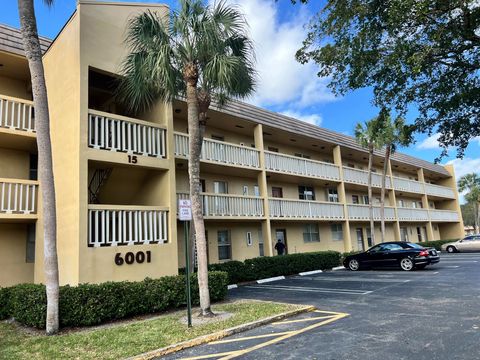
220, 187
277, 192
355, 199
273, 149
414, 204
310, 233
30, 254
337, 231
419, 234
302, 155
218, 137
306, 192
401, 203
365, 199
256, 190
33, 175
249, 238
332, 195
224, 245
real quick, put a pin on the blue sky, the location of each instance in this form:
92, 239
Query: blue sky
277, 28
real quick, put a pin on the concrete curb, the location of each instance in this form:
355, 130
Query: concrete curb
233, 286
276, 278
220, 334
310, 272
338, 268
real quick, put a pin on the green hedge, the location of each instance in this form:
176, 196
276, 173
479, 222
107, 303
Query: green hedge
437, 244
269, 266
93, 304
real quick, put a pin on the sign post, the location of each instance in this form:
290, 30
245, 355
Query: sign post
185, 215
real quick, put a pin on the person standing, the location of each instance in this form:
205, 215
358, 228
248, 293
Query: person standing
280, 247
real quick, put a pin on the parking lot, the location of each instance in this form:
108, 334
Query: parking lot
377, 314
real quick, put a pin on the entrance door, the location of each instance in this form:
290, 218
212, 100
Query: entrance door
403, 234
281, 234
277, 192
419, 234
360, 244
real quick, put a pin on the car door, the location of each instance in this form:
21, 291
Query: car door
464, 244
393, 255
476, 243
375, 256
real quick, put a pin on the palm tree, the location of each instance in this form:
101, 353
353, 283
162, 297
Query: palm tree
201, 52
471, 184
33, 54
393, 135
368, 135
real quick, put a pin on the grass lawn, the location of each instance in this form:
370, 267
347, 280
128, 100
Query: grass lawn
128, 339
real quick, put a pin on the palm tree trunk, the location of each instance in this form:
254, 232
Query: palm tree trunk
33, 53
370, 203
382, 194
195, 148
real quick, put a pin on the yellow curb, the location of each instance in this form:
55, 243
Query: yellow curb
220, 334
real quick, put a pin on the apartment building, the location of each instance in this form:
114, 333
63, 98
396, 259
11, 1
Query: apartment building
119, 175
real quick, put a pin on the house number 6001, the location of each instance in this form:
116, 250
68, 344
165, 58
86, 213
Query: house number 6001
130, 257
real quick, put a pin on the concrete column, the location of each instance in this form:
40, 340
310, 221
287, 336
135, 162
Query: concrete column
337, 159
393, 200
456, 230
263, 187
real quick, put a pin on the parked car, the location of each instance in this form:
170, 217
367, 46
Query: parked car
468, 243
407, 255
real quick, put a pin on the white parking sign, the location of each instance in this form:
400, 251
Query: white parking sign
184, 210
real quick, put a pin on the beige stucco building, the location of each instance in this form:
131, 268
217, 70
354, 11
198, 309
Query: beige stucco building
118, 176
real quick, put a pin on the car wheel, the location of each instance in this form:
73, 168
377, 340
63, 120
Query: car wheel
451, 249
354, 265
420, 267
407, 264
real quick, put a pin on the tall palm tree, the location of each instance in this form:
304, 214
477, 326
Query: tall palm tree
33, 54
201, 52
471, 184
393, 134
368, 135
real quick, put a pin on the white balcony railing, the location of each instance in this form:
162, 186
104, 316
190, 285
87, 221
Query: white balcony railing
412, 214
408, 185
437, 190
126, 225
18, 196
444, 215
358, 176
16, 114
118, 133
220, 152
228, 205
302, 209
300, 166
362, 212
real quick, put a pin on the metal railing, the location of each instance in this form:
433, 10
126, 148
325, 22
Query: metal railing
118, 133
18, 196
220, 152
412, 214
300, 166
129, 225
437, 190
362, 212
300, 209
408, 185
358, 176
16, 114
443, 215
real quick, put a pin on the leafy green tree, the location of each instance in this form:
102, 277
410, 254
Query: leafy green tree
471, 184
33, 53
409, 51
369, 135
468, 214
200, 52
393, 134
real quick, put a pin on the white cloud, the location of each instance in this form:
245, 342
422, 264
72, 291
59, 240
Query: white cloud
430, 142
462, 167
314, 119
283, 82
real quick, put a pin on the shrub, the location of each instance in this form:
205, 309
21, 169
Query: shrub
437, 244
92, 304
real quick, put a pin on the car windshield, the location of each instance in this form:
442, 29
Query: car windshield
415, 246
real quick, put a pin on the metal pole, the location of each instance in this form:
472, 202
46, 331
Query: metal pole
187, 273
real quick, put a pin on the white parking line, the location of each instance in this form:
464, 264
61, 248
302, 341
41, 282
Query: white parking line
350, 279
304, 289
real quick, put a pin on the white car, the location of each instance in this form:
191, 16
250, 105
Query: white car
468, 243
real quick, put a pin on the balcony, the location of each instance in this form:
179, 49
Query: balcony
440, 191
229, 206
298, 166
408, 185
361, 212
302, 209
220, 152
412, 214
18, 197
122, 134
111, 225
444, 215
356, 176
16, 114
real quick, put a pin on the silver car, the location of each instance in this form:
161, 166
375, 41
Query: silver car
468, 243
